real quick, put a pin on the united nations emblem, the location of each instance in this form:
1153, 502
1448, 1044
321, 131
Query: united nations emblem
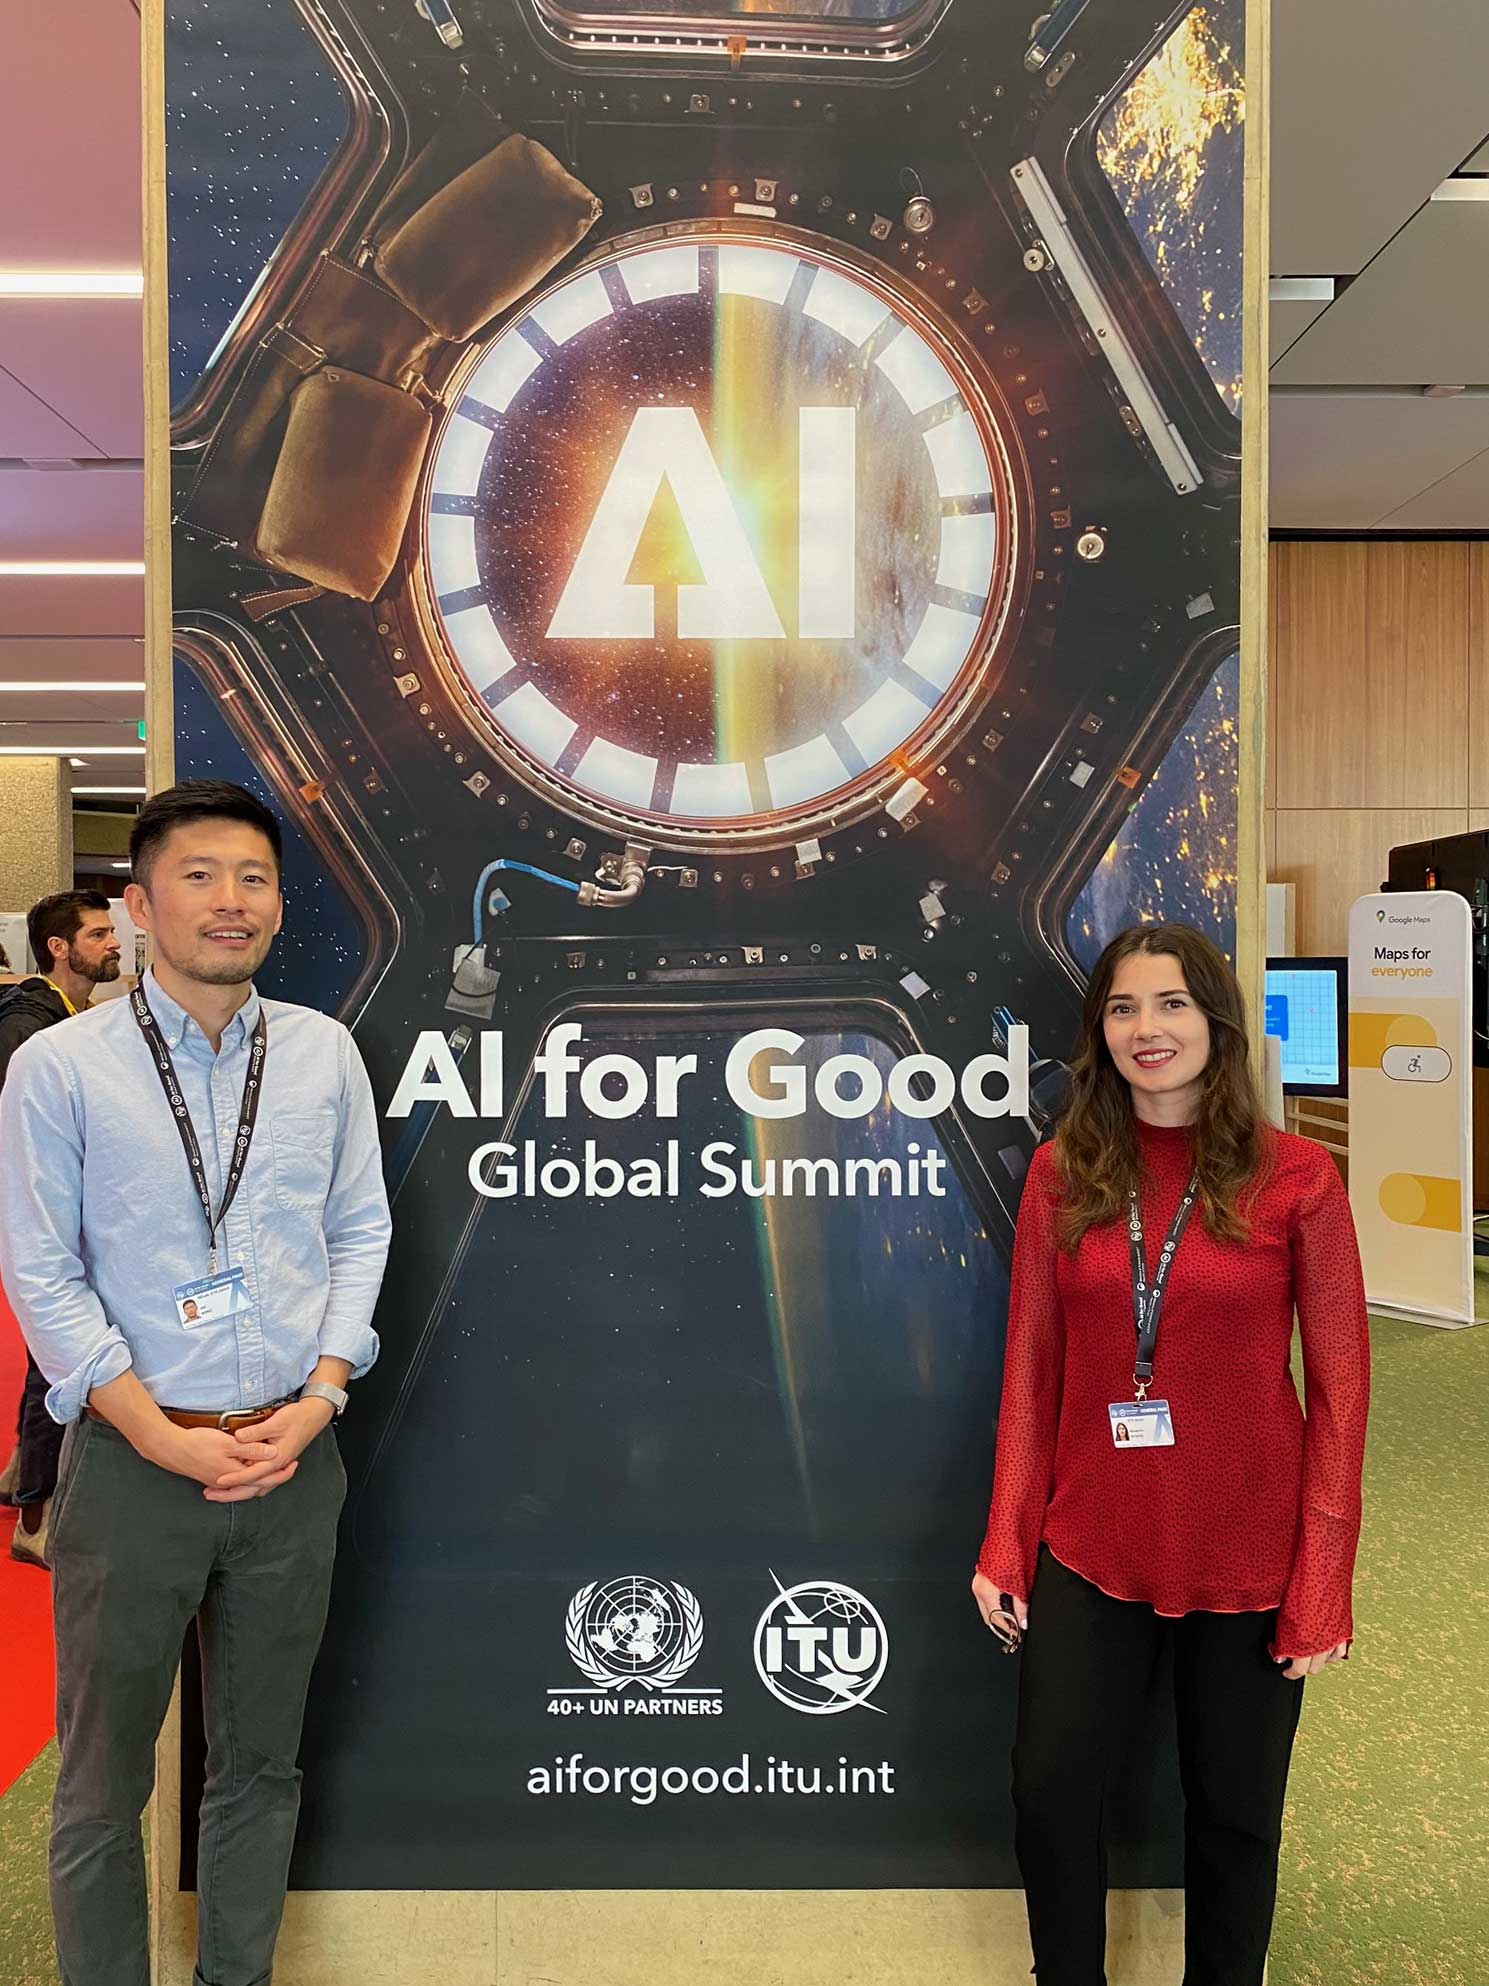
632, 1630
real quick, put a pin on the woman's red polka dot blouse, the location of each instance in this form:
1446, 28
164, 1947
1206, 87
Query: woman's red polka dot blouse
1256, 1505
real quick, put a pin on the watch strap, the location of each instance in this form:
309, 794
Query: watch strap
320, 1389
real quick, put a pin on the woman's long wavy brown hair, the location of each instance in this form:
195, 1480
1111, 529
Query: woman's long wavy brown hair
1096, 1148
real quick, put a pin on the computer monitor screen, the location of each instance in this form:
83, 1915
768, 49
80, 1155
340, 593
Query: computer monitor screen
1307, 1009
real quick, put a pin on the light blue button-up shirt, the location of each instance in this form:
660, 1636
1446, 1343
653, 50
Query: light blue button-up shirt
100, 1220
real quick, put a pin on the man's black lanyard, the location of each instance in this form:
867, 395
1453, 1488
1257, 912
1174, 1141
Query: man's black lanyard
1147, 1298
165, 1068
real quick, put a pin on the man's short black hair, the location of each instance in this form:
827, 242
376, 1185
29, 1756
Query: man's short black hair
59, 916
196, 800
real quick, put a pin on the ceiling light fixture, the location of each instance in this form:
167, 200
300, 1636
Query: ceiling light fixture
72, 282
71, 568
66, 751
66, 689
1301, 289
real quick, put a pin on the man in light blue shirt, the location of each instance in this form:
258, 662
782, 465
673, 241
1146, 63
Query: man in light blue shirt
193, 1227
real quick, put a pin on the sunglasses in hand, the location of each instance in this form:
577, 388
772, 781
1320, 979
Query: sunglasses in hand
1004, 1624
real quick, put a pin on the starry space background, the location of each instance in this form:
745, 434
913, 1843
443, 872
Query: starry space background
1173, 147
1174, 858
253, 116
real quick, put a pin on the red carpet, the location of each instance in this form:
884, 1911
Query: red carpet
27, 1674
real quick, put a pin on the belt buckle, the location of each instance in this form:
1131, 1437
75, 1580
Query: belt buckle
244, 1415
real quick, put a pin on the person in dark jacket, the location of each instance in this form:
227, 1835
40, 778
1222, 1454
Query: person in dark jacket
72, 935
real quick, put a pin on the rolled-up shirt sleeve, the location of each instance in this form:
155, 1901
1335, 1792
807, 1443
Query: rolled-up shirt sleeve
358, 1226
41, 1263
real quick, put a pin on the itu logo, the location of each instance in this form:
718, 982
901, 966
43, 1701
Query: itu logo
821, 1648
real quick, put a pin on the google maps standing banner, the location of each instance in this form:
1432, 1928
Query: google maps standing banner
717, 529
1411, 1101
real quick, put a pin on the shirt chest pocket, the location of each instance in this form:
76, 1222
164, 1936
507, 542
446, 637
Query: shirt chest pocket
304, 1150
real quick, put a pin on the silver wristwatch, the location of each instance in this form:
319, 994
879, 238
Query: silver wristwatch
322, 1389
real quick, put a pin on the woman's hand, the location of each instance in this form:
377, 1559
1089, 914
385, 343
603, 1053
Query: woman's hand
990, 1601
1299, 1666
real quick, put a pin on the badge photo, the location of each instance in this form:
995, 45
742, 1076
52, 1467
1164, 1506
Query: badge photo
1141, 1424
211, 1298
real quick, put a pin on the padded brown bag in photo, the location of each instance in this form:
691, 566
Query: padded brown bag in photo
487, 237
344, 482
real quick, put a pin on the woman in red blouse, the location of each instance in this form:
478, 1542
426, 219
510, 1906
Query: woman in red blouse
1220, 1517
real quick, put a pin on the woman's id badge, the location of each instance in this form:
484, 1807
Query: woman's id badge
1142, 1424
211, 1298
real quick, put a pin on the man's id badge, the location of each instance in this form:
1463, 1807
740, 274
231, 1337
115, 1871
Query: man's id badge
1142, 1424
212, 1298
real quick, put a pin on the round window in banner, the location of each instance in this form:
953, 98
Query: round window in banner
719, 535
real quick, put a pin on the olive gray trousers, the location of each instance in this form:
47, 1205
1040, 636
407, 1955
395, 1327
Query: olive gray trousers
136, 1554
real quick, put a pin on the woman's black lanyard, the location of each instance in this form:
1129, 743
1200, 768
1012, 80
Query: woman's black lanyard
1147, 1298
165, 1068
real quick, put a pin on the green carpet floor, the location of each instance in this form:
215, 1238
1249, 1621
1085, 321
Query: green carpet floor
26, 1954
1385, 1864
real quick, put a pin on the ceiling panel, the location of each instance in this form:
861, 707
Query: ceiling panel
72, 606
83, 356
1416, 316
76, 736
81, 658
1287, 321
1341, 463
70, 707
1480, 160
29, 427
1373, 105
72, 514
70, 135
1460, 502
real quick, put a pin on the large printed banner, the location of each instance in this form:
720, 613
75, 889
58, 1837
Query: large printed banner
716, 527
1411, 1100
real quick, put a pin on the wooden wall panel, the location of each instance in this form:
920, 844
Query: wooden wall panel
1335, 854
1478, 675
1379, 717
1321, 642
1418, 653
1370, 677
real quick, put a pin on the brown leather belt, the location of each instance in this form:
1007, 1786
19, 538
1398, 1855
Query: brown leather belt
189, 1417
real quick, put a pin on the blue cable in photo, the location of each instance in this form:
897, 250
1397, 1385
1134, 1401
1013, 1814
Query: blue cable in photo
526, 869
